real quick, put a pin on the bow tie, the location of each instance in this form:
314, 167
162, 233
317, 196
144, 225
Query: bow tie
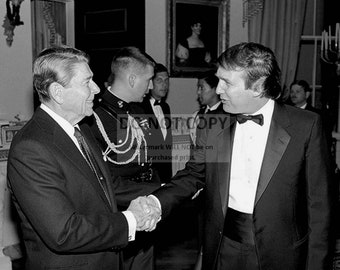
258, 119
157, 102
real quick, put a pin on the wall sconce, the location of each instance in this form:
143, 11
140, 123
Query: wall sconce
12, 19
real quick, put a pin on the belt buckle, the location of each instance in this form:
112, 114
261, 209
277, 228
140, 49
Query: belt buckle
150, 173
144, 176
147, 175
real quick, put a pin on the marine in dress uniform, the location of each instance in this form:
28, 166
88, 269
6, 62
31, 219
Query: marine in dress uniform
122, 136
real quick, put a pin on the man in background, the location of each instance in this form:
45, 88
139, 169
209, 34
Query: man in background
159, 115
299, 94
208, 100
61, 187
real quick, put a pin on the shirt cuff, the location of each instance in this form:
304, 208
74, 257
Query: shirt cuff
132, 223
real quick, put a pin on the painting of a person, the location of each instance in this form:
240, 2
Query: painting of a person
192, 51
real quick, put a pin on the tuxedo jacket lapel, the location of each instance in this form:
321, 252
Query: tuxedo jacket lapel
277, 142
225, 143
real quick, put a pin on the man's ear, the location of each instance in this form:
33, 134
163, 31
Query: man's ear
57, 92
132, 80
258, 86
307, 94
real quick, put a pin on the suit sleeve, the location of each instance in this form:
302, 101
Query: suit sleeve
186, 182
43, 191
321, 199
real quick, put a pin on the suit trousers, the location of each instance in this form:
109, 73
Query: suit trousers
139, 254
237, 256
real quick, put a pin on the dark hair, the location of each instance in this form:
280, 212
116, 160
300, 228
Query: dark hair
305, 85
195, 20
210, 78
130, 57
56, 64
160, 68
256, 61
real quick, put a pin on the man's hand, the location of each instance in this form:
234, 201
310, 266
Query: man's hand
146, 212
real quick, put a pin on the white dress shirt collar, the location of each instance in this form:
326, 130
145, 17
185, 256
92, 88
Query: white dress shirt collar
62, 122
214, 107
266, 111
304, 106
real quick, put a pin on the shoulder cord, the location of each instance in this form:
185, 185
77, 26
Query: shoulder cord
136, 135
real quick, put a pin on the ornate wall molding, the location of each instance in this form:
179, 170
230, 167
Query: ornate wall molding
250, 9
12, 19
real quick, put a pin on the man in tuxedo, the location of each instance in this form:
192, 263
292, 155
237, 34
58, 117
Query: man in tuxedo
60, 185
122, 131
159, 115
266, 173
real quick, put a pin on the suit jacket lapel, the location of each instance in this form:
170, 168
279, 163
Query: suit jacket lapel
64, 143
225, 142
99, 159
277, 142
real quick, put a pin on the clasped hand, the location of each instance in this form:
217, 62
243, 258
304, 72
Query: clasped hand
147, 213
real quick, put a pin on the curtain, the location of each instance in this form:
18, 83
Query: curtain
279, 26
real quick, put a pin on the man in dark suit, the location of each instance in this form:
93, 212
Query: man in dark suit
269, 194
159, 115
299, 94
60, 184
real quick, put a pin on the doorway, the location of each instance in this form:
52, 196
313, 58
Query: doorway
102, 27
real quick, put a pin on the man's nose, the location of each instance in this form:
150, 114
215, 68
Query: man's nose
95, 88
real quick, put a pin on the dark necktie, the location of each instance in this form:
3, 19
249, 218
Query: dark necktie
201, 111
258, 119
157, 102
91, 161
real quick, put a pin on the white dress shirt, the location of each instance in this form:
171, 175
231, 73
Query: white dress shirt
69, 129
159, 115
247, 155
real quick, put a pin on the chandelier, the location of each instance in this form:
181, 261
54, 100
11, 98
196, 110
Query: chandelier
330, 47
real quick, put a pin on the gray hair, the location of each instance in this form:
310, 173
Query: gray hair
56, 64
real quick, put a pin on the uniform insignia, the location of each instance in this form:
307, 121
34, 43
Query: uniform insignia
144, 124
120, 104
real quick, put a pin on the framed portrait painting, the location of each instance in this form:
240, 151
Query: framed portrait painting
198, 33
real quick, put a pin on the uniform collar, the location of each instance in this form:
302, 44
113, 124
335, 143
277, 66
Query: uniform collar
115, 101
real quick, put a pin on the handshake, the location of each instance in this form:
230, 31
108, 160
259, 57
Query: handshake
147, 213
